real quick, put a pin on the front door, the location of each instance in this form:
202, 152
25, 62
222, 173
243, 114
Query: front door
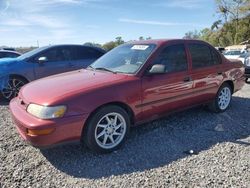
172, 90
58, 61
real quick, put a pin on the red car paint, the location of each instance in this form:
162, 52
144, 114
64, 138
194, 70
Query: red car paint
147, 97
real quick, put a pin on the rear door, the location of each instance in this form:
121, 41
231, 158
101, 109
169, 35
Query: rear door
206, 71
58, 61
162, 93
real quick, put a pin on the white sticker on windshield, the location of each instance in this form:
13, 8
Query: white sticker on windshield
139, 47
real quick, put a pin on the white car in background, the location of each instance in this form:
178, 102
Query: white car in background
234, 54
243, 57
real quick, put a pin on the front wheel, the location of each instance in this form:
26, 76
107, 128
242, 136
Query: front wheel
222, 100
107, 129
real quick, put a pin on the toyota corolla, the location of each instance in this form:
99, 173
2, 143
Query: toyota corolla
133, 83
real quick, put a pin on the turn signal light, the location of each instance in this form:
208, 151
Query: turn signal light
33, 132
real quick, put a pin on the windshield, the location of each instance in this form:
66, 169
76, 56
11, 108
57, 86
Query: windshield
127, 58
233, 53
31, 53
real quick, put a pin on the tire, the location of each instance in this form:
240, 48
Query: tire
107, 129
12, 87
246, 80
222, 100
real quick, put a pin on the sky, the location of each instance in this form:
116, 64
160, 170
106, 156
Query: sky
44, 22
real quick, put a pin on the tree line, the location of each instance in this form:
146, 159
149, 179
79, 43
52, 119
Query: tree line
232, 27
112, 44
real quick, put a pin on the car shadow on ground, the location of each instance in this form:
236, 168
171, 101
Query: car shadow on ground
157, 143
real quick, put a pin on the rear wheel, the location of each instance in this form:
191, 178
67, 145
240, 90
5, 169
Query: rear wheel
222, 100
107, 129
12, 87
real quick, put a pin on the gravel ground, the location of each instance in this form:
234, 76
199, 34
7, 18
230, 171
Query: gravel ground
154, 154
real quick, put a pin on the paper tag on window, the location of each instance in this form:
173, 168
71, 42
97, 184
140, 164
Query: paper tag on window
139, 47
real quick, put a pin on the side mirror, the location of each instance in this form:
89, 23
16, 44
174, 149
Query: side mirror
42, 59
157, 69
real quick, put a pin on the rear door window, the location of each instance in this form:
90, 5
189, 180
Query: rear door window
88, 53
202, 56
216, 58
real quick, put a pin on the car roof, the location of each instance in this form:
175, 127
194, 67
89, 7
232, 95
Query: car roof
10, 51
160, 42
63, 45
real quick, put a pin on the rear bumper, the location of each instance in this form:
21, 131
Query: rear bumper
64, 129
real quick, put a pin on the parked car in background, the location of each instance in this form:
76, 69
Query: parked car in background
133, 83
220, 49
243, 57
42, 62
8, 53
234, 54
7, 48
247, 66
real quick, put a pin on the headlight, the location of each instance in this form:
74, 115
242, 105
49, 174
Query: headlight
46, 112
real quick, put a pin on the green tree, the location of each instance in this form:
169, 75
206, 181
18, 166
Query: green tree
232, 11
109, 45
119, 41
112, 44
92, 44
192, 35
141, 38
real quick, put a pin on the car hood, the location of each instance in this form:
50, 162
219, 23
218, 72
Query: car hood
48, 91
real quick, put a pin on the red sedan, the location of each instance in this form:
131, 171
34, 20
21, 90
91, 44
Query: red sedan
134, 83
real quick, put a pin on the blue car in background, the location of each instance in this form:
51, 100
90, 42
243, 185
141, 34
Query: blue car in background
43, 62
8, 53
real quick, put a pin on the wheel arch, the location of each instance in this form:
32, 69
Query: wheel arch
231, 84
122, 105
19, 76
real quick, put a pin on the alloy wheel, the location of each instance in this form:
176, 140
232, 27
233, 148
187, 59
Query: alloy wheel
110, 130
224, 98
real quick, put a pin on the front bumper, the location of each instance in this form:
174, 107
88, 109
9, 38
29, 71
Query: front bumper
65, 129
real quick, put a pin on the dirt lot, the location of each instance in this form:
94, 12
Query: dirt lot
154, 154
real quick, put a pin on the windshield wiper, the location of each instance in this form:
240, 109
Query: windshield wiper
90, 67
105, 69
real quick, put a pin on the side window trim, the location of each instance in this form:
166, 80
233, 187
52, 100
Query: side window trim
217, 55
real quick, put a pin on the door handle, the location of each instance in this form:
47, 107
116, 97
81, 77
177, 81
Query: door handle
187, 79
